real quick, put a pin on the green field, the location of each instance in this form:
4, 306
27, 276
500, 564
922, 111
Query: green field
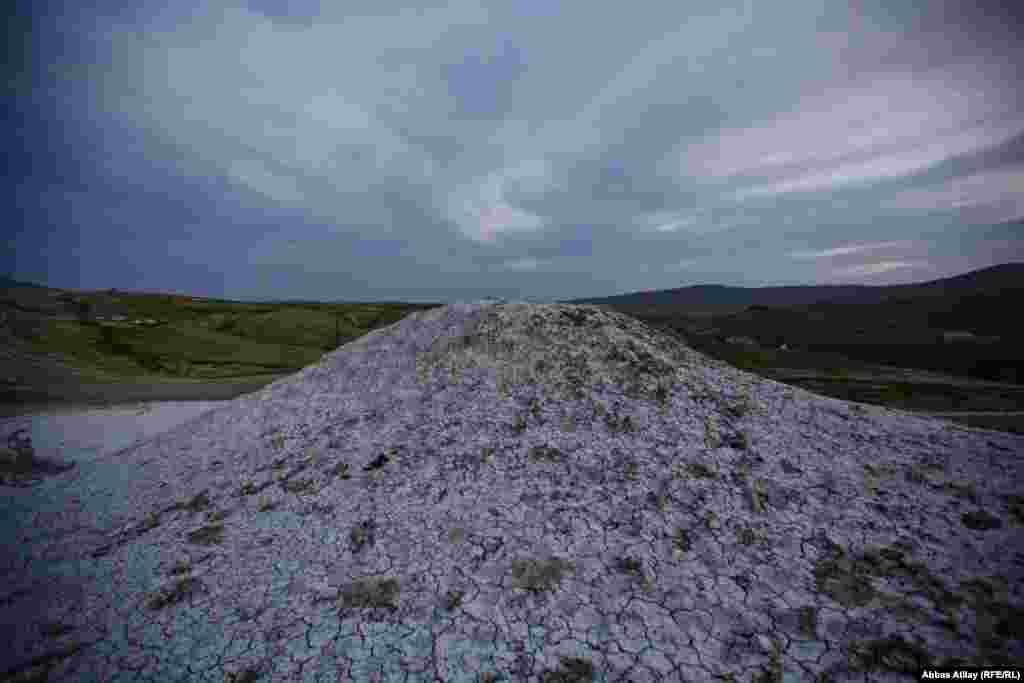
173, 339
162, 337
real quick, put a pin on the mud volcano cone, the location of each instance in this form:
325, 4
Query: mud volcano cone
537, 492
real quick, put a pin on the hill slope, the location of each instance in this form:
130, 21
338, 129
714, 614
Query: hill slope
524, 492
721, 298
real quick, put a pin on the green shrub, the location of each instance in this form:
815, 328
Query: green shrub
749, 360
899, 391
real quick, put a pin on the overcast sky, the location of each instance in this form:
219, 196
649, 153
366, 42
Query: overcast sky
372, 150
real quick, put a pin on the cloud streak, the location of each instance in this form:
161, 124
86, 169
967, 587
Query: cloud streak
884, 127
845, 251
992, 197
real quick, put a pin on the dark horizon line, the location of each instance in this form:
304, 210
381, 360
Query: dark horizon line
464, 298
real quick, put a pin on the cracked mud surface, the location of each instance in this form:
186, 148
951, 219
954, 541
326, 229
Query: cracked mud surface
522, 492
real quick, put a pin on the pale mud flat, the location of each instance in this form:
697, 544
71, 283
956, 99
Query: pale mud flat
75, 433
39, 396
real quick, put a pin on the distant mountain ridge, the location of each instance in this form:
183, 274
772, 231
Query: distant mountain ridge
996, 279
963, 325
6, 282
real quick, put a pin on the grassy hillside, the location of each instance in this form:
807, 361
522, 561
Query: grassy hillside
157, 336
835, 348
722, 299
918, 326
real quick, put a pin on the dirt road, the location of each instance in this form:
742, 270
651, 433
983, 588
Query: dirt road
969, 413
32, 399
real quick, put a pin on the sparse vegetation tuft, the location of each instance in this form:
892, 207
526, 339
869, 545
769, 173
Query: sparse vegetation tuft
211, 534
197, 503
572, 670
539, 575
181, 589
370, 593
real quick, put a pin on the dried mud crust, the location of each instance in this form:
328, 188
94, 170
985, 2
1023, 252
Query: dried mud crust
429, 503
567, 351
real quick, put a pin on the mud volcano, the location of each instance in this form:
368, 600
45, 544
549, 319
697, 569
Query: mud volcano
529, 492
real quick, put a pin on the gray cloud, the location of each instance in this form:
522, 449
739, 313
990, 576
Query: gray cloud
530, 149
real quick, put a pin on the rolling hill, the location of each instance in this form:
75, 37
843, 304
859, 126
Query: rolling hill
998, 280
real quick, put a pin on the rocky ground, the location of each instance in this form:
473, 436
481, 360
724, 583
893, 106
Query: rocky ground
522, 492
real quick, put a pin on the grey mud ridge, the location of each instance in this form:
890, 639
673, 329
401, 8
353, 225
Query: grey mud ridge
521, 493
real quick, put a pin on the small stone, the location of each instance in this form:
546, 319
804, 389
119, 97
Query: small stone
17, 456
20, 440
15, 460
